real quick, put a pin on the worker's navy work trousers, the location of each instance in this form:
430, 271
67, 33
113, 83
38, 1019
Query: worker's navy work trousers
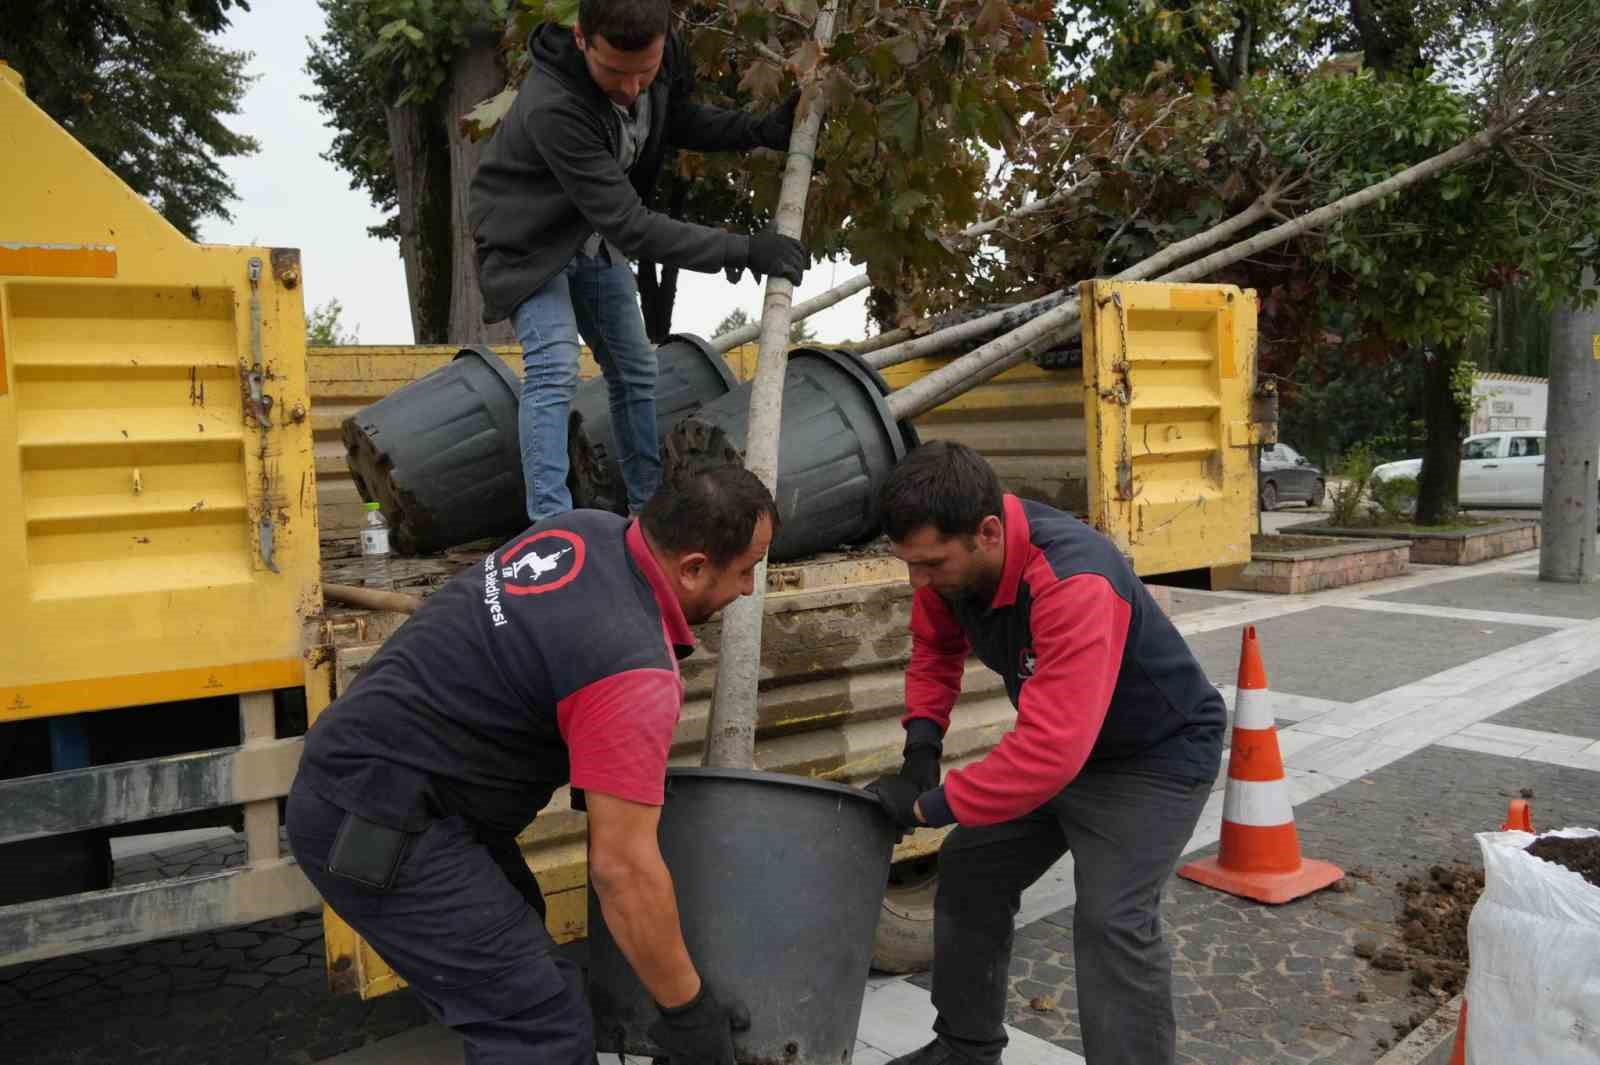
463, 923
1126, 830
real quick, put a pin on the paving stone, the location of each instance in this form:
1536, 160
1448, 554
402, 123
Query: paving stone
287, 963
1391, 650
240, 940
1511, 593
70, 984
1572, 709
246, 979
276, 947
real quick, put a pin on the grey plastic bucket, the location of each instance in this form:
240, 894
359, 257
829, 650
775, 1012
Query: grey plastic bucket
689, 374
779, 881
441, 456
836, 447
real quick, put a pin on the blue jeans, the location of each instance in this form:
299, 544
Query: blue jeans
600, 300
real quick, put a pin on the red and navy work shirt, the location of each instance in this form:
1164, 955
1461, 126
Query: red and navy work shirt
1096, 671
555, 660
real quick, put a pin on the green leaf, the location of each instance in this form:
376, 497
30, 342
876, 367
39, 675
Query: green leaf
907, 203
905, 50
561, 12
897, 121
481, 121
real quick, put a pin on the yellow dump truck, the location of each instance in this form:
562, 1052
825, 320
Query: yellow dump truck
173, 496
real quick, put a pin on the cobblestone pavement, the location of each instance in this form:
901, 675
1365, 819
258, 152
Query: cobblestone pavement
1260, 984
1572, 709
251, 994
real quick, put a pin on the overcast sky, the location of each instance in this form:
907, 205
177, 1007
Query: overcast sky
290, 197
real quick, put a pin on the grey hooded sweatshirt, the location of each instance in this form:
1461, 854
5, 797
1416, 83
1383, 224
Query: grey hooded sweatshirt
550, 176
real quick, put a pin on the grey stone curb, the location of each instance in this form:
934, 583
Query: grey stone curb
1355, 546
1431, 1042
1320, 529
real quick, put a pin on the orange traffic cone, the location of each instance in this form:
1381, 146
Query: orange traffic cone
1458, 1052
1519, 818
1260, 854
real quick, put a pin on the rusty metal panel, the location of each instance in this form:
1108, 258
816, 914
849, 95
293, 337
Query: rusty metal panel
1168, 382
49, 928
103, 796
157, 496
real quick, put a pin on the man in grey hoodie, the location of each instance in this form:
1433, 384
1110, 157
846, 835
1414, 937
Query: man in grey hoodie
560, 204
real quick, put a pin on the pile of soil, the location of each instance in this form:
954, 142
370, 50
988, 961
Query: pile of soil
1582, 856
1433, 930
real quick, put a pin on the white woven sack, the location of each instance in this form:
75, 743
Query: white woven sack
1533, 989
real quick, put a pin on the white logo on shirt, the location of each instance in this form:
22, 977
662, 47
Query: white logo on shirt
537, 565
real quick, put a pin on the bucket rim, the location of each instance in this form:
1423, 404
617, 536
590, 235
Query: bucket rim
495, 363
902, 435
761, 776
718, 363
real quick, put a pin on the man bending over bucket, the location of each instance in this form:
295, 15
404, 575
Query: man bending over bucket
513, 679
1117, 741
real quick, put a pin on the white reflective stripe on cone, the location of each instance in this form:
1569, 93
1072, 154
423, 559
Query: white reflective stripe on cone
1260, 803
1252, 708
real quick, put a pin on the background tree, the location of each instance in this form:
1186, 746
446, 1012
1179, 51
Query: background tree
735, 319
140, 86
394, 78
918, 98
325, 326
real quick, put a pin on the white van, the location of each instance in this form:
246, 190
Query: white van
1497, 469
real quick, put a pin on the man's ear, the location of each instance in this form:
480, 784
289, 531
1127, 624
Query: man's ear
991, 531
692, 568
577, 36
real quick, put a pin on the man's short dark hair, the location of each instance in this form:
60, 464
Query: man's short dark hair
714, 510
943, 484
627, 25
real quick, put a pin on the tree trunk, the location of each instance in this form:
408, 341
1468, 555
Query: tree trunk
1439, 486
1571, 510
731, 732
476, 73
422, 191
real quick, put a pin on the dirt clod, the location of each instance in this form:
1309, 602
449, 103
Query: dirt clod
1366, 948
1362, 996
1042, 1004
1433, 929
1389, 959
1582, 856
1527, 793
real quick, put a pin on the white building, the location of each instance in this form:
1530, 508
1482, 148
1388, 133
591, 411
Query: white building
1506, 401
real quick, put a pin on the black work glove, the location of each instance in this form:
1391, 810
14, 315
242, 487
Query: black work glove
898, 797
700, 1032
921, 766
775, 254
777, 125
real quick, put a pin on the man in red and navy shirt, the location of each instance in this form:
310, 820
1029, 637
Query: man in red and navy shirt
1117, 741
555, 661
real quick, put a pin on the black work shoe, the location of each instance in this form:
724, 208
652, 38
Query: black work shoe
937, 1052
